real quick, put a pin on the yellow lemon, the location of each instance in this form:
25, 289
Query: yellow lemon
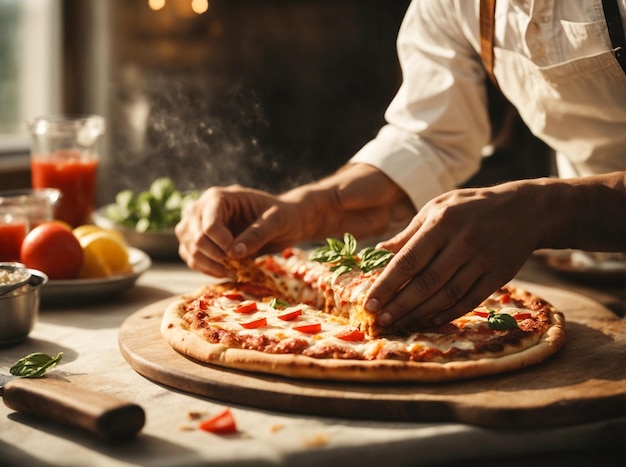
104, 255
87, 229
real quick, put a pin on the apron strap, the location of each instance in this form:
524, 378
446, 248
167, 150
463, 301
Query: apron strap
616, 30
487, 13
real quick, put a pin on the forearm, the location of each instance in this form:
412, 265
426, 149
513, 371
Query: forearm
587, 213
357, 198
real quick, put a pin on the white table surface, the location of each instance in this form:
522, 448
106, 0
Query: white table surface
88, 336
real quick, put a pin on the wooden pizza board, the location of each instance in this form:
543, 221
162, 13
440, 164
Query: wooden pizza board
584, 382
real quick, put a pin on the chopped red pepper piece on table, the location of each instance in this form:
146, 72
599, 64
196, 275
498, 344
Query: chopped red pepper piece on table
221, 423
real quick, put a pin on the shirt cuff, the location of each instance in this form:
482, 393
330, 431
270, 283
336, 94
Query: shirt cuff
409, 161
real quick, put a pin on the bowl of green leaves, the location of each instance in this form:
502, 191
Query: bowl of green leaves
146, 219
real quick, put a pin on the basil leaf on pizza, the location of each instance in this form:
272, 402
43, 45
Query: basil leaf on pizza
300, 314
343, 258
501, 321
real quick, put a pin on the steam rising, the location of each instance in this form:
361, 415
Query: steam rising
197, 134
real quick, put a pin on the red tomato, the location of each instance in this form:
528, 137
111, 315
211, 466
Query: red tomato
257, 323
222, 423
248, 306
269, 264
287, 253
291, 315
309, 328
234, 296
53, 249
351, 336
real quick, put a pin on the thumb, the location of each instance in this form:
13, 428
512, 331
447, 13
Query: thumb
401, 238
252, 239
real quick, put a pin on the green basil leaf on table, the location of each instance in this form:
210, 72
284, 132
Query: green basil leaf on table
35, 365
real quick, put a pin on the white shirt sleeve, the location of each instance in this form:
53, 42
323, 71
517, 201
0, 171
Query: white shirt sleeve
437, 124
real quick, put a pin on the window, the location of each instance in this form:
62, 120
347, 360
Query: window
29, 68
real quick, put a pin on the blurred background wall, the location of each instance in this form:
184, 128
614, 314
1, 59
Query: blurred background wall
265, 93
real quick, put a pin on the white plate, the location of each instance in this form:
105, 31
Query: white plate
159, 245
63, 292
585, 265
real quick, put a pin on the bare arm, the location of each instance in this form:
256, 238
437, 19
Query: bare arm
466, 243
240, 222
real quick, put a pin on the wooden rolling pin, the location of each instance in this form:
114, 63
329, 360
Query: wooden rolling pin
101, 414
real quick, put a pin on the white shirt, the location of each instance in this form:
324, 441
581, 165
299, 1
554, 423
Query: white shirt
553, 61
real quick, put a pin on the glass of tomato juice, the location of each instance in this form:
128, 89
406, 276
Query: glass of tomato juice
65, 156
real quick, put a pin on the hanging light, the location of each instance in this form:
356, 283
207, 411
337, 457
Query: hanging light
199, 6
156, 5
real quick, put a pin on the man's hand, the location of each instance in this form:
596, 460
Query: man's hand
207, 232
456, 251
465, 244
236, 221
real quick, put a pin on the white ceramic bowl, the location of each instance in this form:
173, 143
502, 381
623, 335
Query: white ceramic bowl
159, 245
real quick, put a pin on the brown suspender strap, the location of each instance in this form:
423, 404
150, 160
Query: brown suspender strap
616, 30
487, 14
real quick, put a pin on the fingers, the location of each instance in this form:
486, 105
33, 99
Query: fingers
430, 315
438, 285
199, 252
401, 238
229, 221
453, 283
430, 273
257, 235
202, 234
419, 250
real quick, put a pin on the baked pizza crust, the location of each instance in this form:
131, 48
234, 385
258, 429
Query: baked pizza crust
176, 331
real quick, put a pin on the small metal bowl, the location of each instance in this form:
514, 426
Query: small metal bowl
19, 309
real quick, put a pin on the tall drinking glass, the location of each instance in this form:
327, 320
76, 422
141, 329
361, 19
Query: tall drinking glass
65, 155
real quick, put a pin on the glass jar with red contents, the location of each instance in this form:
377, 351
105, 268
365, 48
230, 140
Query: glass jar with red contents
65, 156
40, 203
14, 226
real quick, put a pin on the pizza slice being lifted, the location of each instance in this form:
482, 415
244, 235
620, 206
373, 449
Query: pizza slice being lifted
334, 277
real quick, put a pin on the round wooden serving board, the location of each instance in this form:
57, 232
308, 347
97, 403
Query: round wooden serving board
584, 382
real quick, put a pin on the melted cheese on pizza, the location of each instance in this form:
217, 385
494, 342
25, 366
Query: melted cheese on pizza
299, 279
246, 321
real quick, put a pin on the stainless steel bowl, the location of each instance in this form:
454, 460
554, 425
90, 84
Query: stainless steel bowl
19, 309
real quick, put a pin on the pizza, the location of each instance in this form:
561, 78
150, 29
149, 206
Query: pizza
300, 314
